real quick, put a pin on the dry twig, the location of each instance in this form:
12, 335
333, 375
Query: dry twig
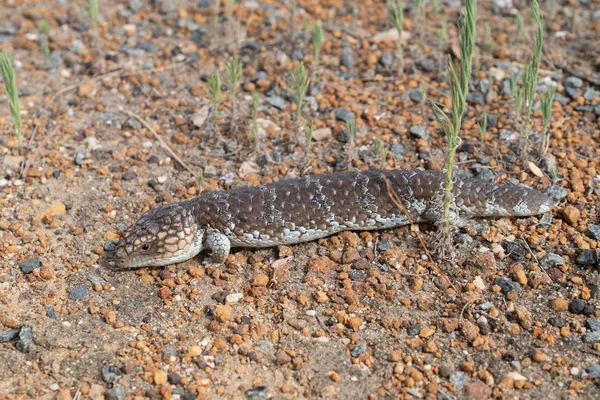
157, 137
398, 203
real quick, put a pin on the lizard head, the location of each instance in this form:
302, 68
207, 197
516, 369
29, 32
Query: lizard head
164, 235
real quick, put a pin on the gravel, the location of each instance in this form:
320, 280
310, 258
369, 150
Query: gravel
507, 285
27, 266
344, 115
594, 232
417, 131
573, 82
78, 293
276, 101
586, 258
552, 260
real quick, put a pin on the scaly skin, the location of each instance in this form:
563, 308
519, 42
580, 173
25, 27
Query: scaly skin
309, 208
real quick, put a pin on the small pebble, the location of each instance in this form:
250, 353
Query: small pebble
128, 175
174, 378
27, 266
586, 258
343, 115
459, 380
259, 392
415, 95
507, 285
573, 82
78, 293
50, 313
276, 101
414, 330
358, 350
594, 232
8, 334
110, 246
592, 337
593, 324
576, 306
79, 157
132, 123
386, 60
110, 373
116, 393
25, 339
552, 260
594, 371
419, 132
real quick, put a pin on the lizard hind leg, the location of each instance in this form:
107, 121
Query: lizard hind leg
219, 246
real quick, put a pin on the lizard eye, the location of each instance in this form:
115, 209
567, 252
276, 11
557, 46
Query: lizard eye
146, 247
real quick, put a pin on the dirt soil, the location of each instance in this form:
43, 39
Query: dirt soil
353, 316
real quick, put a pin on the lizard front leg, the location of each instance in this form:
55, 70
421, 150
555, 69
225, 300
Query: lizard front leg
219, 246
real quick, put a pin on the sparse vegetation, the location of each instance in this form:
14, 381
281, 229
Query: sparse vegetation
351, 130
395, 9
530, 77
233, 75
420, 10
489, 40
214, 91
317, 42
546, 105
380, 151
423, 92
293, 7
308, 134
459, 88
519, 31
516, 93
442, 34
12, 94
215, 13
353, 14
482, 128
94, 12
300, 82
199, 178
254, 125
44, 45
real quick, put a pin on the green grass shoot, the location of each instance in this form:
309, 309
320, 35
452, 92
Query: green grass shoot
44, 38
519, 31
353, 14
300, 82
199, 178
489, 40
233, 75
482, 128
459, 88
351, 130
308, 134
214, 90
254, 117
442, 34
317, 42
396, 11
530, 77
94, 12
423, 92
12, 94
546, 105
215, 13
